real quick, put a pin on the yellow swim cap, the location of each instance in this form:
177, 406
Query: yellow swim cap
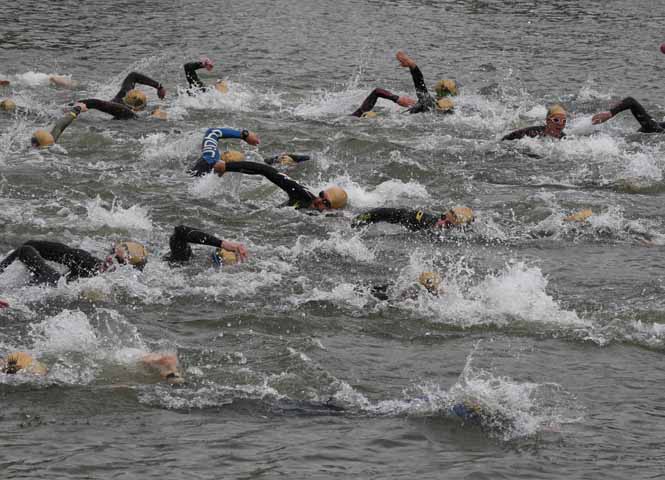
233, 156
221, 256
431, 281
221, 86
42, 139
286, 160
136, 99
23, 361
445, 88
134, 253
160, 114
369, 114
580, 216
444, 105
8, 105
555, 110
460, 215
337, 196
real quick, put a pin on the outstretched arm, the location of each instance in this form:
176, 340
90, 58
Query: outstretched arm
183, 235
66, 120
130, 82
411, 219
647, 123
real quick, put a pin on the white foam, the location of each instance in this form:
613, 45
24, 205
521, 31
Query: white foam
132, 218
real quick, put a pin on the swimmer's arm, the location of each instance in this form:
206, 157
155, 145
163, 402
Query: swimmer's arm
130, 82
413, 219
63, 254
209, 147
524, 132
191, 75
293, 189
64, 122
193, 235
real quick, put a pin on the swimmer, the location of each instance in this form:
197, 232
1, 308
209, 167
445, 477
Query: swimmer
43, 139
195, 84
210, 154
555, 122
34, 254
425, 102
429, 282
129, 101
165, 364
647, 123
300, 196
286, 160
416, 219
226, 252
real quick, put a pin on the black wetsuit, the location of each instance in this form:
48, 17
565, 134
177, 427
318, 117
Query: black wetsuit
299, 196
34, 254
411, 219
192, 77
533, 132
425, 101
648, 124
181, 238
117, 106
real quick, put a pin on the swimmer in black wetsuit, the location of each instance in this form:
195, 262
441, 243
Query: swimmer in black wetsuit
647, 123
195, 84
286, 159
299, 196
226, 252
210, 154
81, 264
425, 102
430, 281
555, 122
129, 100
416, 219
42, 138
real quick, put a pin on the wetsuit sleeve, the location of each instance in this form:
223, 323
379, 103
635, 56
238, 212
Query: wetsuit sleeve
411, 219
183, 236
118, 110
192, 77
371, 99
299, 196
80, 262
210, 144
64, 122
40, 270
648, 124
425, 100
532, 132
130, 82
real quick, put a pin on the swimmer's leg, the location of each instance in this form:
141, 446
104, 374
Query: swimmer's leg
41, 272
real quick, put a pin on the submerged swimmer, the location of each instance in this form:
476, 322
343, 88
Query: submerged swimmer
300, 196
129, 101
81, 264
425, 102
43, 138
416, 219
286, 159
226, 252
555, 122
165, 364
647, 123
210, 154
430, 282
195, 84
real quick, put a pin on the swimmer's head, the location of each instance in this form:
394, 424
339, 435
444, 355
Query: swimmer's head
431, 281
132, 253
331, 198
285, 160
8, 105
446, 88
457, 216
221, 86
136, 99
42, 139
580, 216
233, 156
556, 117
444, 105
221, 257
17, 361
369, 114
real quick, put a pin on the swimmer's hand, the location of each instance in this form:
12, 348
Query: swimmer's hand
219, 168
82, 106
601, 117
161, 92
404, 60
4, 304
406, 102
252, 139
238, 248
207, 64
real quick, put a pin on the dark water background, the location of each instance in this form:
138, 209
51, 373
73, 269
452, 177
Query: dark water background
557, 327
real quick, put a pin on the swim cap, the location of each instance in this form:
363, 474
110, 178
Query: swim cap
369, 114
444, 105
233, 156
580, 216
286, 160
42, 139
221, 256
160, 114
337, 196
136, 99
431, 281
8, 105
23, 361
555, 110
460, 215
221, 86
445, 88
135, 253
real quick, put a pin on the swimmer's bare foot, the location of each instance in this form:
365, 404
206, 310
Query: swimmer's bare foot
404, 60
